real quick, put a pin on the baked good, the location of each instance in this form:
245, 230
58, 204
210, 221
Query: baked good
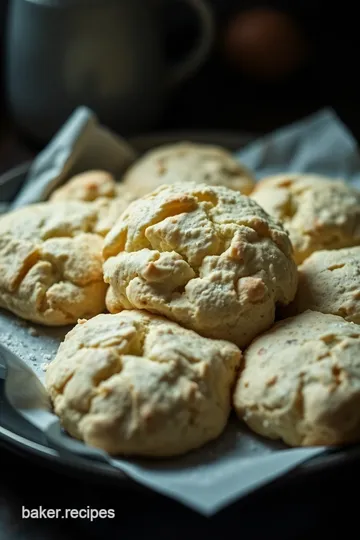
204, 256
137, 384
51, 263
109, 210
101, 188
329, 281
317, 211
301, 381
187, 162
86, 186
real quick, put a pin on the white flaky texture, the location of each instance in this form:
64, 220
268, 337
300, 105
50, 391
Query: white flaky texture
301, 381
187, 162
51, 263
317, 211
101, 188
137, 384
204, 256
329, 281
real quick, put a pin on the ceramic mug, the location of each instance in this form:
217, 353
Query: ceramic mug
105, 54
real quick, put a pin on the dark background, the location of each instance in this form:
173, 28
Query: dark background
221, 96
322, 507
238, 101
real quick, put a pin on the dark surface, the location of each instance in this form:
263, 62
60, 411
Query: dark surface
302, 509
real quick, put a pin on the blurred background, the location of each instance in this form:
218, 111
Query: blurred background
270, 63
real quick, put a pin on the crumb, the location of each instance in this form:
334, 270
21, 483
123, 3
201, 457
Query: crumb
33, 332
6, 339
47, 357
44, 365
81, 321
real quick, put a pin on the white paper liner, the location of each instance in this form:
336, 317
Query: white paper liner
81, 144
238, 462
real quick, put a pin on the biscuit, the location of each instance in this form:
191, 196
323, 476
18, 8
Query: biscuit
137, 384
109, 210
329, 282
101, 188
51, 263
301, 381
187, 162
204, 256
86, 186
317, 211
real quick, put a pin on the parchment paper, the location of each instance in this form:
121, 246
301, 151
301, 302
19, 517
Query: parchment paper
81, 144
238, 462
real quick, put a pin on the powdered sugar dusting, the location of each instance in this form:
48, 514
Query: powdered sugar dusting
35, 344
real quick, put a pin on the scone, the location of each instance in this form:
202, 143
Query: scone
109, 210
329, 281
318, 212
101, 188
187, 162
204, 256
137, 384
301, 381
86, 186
51, 263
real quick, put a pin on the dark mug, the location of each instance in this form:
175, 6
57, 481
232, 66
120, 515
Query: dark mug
105, 54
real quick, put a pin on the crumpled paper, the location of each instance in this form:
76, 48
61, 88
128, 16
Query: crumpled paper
81, 144
319, 144
212, 477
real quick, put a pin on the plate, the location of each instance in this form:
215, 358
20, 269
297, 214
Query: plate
21, 437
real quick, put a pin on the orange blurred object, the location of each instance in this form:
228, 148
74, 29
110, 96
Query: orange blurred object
265, 43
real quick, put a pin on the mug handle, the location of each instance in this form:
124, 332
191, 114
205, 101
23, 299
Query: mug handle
193, 60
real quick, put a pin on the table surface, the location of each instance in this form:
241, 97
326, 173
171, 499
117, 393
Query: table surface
286, 510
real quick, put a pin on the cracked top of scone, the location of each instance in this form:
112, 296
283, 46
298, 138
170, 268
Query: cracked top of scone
317, 211
301, 381
188, 162
86, 186
205, 256
51, 263
137, 384
329, 281
100, 187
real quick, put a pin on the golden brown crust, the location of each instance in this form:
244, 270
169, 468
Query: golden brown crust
111, 198
87, 186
